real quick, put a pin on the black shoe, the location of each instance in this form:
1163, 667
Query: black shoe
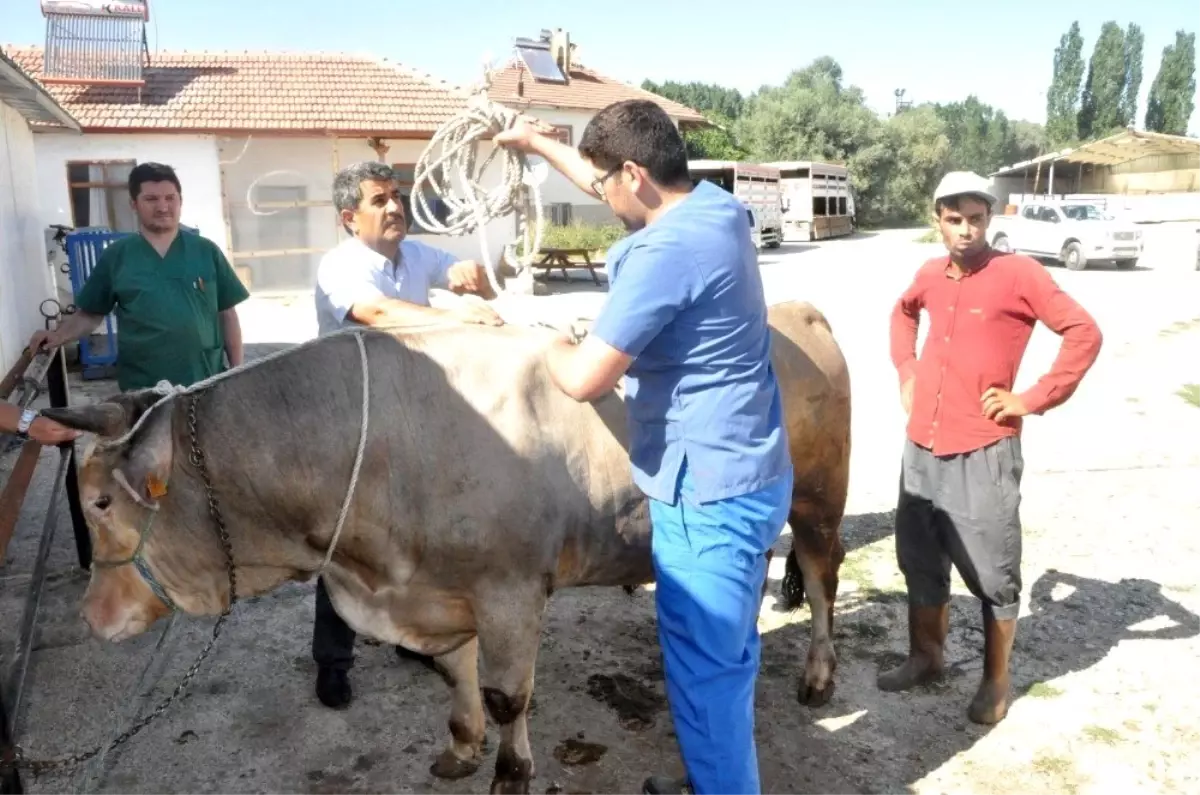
665, 785
333, 687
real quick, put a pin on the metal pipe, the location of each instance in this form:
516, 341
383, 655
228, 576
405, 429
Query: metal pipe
16, 683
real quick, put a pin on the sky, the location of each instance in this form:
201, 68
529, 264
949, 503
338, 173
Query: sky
937, 51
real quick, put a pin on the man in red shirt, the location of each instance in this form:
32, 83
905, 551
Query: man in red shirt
961, 468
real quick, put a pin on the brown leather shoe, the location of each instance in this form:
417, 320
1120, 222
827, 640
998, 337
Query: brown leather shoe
990, 703
927, 630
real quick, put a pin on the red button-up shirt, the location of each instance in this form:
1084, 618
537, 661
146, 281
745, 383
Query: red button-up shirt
980, 325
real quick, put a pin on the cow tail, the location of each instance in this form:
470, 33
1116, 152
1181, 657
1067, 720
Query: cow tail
792, 589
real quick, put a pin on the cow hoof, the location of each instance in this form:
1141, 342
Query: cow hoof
817, 687
449, 766
502, 786
813, 696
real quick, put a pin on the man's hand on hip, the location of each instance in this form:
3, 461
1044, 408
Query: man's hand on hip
1000, 405
906, 395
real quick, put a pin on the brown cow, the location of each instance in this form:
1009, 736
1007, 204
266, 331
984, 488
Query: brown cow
483, 489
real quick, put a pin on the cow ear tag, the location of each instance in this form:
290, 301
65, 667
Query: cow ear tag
155, 487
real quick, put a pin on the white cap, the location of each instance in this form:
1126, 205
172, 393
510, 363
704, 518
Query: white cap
960, 183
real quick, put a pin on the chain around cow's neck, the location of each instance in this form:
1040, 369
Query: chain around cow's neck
197, 460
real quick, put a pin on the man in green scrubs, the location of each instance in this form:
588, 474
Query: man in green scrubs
174, 294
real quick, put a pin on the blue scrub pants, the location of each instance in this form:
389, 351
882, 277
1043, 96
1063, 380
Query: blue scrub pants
710, 565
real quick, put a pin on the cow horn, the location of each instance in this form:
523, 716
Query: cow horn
104, 419
111, 418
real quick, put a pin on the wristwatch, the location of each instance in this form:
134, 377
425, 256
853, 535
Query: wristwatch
27, 418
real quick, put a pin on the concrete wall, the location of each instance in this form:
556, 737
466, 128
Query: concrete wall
194, 158
251, 171
557, 188
260, 170
25, 278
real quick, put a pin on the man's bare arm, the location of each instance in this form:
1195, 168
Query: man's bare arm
529, 135
73, 327
231, 329
394, 312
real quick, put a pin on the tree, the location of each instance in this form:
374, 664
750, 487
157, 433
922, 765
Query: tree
704, 97
719, 105
1133, 74
1062, 100
1100, 111
1171, 102
810, 117
982, 138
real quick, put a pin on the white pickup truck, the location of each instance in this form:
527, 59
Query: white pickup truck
1074, 233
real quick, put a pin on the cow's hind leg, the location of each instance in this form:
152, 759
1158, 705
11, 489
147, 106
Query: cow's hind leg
814, 560
460, 669
509, 629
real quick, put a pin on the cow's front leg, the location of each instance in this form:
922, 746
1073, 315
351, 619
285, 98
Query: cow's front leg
460, 669
508, 640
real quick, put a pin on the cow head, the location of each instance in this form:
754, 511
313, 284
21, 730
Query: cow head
120, 488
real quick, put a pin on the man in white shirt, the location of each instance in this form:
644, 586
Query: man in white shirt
378, 278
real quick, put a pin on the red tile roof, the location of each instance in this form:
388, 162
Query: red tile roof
586, 90
279, 92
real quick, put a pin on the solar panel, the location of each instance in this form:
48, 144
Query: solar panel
541, 64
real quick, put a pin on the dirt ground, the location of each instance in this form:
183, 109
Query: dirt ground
1104, 665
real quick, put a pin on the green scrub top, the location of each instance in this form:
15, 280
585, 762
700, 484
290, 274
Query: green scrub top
166, 308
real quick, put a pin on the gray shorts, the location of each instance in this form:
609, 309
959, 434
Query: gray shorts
962, 509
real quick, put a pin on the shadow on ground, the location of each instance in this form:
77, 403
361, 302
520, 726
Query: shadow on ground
1073, 623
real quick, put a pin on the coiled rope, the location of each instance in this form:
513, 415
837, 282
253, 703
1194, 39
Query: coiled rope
453, 152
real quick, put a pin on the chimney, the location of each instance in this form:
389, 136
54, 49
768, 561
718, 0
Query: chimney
560, 51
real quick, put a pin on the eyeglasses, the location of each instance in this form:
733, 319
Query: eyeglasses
598, 183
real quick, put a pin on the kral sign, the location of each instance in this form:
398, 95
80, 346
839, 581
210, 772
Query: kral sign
98, 8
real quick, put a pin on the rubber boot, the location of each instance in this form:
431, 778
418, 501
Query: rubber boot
990, 703
927, 629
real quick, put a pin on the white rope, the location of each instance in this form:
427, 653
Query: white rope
169, 391
453, 152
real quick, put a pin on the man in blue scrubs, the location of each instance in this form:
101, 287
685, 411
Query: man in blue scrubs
686, 324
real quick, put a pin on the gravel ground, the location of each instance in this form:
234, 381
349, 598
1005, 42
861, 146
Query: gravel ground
1104, 655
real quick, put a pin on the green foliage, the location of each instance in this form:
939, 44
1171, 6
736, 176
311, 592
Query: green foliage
1062, 100
719, 105
1172, 93
704, 97
1134, 39
1101, 111
983, 138
593, 237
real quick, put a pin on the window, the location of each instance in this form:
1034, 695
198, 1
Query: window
405, 177
562, 133
99, 191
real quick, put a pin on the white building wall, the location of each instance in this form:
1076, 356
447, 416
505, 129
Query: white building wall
25, 277
194, 158
557, 188
251, 170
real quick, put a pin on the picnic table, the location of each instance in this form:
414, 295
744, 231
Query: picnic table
561, 258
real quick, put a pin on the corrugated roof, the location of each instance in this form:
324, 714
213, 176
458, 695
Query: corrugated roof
275, 92
21, 92
1114, 150
513, 85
